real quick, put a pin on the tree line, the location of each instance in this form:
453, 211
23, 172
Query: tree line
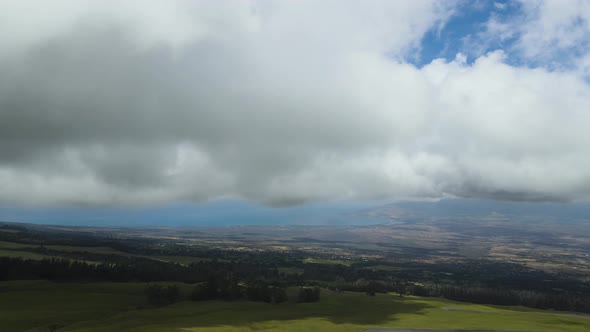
262, 281
160, 295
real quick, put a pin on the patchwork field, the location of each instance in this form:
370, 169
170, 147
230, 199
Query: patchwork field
36, 306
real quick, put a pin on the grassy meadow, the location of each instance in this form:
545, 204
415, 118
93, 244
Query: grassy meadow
91, 307
12, 249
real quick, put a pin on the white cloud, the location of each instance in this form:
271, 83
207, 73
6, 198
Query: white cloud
553, 26
542, 33
144, 102
500, 6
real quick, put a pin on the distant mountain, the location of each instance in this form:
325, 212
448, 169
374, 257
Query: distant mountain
449, 208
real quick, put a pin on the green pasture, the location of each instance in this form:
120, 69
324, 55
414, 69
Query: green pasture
312, 260
12, 249
34, 306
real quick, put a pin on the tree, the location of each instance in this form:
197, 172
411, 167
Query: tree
262, 292
374, 286
309, 294
202, 292
401, 289
277, 294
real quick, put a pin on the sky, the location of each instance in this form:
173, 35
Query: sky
137, 104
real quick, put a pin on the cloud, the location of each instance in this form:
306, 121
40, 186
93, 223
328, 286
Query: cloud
106, 103
539, 33
555, 25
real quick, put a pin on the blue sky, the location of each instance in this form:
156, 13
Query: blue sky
462, 32
468, 31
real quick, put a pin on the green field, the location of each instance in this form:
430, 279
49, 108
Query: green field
311, 260
12, 249
14, 245
36, 305
5, 230
96, 250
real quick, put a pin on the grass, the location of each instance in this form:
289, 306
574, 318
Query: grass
11, 249
8, 230
384, 268
14, 245
96, 250
32, 306
290, 270
22, 254
183, 260
312, 260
